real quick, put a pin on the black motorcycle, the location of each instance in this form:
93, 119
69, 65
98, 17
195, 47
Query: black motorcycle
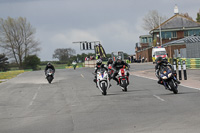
49, 75
168, 78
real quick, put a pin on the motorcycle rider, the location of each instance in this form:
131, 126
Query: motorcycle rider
110, 61
74, 64
97, 67
159, 62
49, 66
117, 65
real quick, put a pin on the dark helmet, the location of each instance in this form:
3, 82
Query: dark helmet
165, 59
110, 59
159, 59
99, 62
119, 58
48, 63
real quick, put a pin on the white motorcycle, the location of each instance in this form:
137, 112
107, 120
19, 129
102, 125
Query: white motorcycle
103, 82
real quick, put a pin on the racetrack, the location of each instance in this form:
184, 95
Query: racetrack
72, 104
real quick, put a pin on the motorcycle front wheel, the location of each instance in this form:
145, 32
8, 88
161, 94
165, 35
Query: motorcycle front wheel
49, 78
173, 87
104, 89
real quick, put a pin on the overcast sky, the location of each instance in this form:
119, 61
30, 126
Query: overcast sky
116, 23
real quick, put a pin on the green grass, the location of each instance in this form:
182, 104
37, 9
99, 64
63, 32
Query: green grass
9, 74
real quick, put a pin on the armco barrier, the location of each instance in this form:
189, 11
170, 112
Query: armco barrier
192, 63
90, 63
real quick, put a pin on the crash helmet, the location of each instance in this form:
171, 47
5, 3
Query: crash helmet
110, 60
165, 59
158, 60
119, 59
99, 62
48, 63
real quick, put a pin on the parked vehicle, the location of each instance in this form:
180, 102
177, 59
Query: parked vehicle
123, 78
168, 79
158, 52
50, 75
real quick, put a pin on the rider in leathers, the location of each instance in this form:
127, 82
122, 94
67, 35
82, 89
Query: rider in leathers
49, 66
159, 63
97, 67
117, 65
110, 61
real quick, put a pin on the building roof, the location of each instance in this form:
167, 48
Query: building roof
177, 22
189, 39
145, 36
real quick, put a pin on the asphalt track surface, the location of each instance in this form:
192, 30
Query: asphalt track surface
72, 104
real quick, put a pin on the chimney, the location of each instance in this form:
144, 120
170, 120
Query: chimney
176, 10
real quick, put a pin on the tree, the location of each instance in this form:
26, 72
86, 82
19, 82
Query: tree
17, 38
3, 62
186, 15
151, 20
31, 62
63, 54
198, 17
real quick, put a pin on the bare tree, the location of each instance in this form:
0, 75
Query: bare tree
63, 54
17, 38
198, 17
186, 15
151, 20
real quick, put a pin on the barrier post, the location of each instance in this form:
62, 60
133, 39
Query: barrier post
184, 70
174, 65
179, 70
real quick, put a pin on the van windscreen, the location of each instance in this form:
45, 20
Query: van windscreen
160, 53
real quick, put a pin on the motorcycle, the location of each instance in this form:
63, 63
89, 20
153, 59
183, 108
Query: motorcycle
168, 79
49, 75
103, 82
123, 78
74, 64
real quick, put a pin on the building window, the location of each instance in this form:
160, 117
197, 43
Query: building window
197, 32
144, 40
149, 40
185, 33
166, 35
174, 34
191, 32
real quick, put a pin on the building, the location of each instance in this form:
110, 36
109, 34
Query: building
175, 28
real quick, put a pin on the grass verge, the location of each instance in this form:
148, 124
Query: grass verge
9, 74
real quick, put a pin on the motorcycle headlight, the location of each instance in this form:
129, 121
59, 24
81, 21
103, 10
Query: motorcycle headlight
170, 74
164, 77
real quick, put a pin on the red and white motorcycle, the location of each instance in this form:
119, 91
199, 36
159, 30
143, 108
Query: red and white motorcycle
123, 78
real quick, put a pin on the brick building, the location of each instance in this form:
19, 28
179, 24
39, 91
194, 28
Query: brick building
175, 28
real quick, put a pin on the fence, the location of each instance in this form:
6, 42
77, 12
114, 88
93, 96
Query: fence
192, 63
90, 63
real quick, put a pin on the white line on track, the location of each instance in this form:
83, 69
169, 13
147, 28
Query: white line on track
34, 97
82, 76
159, 98
156, 79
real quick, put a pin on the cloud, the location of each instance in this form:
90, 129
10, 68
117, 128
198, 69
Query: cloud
117, 24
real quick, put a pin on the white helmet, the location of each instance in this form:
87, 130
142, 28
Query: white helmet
99, 62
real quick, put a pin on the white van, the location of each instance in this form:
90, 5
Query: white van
158, 52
